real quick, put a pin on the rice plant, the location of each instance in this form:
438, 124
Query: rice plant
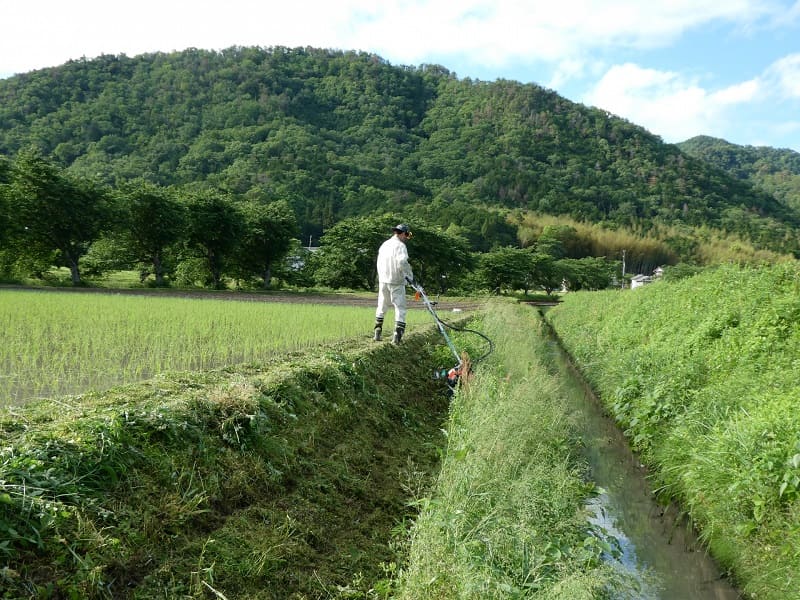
54, 343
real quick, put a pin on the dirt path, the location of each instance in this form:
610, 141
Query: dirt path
337, 299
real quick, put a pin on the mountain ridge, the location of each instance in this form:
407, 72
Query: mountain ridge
773, 170
341, 133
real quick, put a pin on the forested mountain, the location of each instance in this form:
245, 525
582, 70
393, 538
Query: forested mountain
340, 134
773, 170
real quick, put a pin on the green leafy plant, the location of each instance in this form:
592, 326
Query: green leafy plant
700, 372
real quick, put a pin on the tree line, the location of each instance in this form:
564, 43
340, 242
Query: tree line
51, 217
195, 235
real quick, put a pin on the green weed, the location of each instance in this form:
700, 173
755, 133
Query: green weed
505, 519
701, 373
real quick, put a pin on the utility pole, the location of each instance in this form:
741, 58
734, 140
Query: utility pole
623, 268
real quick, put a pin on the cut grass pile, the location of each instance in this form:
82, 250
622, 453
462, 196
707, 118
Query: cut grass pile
702, 375
277, 480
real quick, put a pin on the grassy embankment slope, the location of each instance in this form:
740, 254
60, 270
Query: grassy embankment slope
702, 375
506, 516
277, 480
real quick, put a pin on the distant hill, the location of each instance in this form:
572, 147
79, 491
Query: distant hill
776, 171
339, 134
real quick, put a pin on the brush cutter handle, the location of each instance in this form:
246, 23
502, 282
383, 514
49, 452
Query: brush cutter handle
415, 285
439, 323
419, 293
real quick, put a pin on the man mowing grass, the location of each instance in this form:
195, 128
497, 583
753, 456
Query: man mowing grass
393, 271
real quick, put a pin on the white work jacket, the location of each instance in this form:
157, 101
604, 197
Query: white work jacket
393, 264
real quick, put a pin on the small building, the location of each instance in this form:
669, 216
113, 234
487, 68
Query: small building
297, 260
640, 280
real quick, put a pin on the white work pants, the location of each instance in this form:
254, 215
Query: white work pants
389, 295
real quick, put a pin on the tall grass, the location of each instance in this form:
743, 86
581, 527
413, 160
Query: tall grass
505, 517
55, 343
702, 375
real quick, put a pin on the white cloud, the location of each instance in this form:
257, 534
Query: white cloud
739, 93
565, 71
667, 103
784, 74
42, 33
489, 32
497, 32
677, 107
788, 17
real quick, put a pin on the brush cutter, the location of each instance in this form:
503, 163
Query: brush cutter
452, 375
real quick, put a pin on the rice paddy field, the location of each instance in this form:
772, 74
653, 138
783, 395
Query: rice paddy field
57, 343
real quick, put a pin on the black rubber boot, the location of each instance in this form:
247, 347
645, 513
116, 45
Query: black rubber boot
378, 329
399, 330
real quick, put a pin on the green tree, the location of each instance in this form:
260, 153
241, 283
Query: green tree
506, 267
53, 212
6, 256
350, 248
545, 273
269, 231
588, 273
214, 227
154, 220
562, 241
5, 191
439, 259
348, 252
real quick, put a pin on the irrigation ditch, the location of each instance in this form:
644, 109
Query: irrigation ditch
656, 543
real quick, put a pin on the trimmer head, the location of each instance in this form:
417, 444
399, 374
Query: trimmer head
463, 365
450, 375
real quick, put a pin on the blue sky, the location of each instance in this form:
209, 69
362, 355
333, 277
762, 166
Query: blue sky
679, 68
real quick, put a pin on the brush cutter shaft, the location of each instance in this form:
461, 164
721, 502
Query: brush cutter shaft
418, 288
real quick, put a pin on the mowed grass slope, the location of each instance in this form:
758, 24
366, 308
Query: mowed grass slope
703, 376
284, 479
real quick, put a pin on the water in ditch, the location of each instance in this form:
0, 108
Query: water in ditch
656, 545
